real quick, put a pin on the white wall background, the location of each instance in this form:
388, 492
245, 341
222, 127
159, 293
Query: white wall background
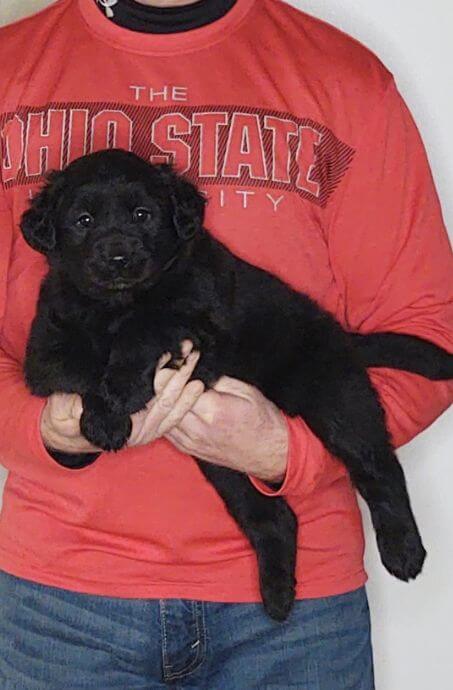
412, 624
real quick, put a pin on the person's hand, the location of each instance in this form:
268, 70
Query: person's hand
175, 396
234, 425
60, 420
60, 425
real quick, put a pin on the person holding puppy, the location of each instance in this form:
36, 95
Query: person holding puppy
132, 572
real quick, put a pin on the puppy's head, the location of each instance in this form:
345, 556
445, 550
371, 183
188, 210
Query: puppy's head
112, 221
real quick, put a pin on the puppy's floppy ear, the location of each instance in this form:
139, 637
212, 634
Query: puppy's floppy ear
38, 222
187, 202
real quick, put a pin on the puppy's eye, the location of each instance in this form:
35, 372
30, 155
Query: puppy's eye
85, 220
139, 215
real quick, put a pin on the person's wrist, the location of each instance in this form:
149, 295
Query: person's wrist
277, 478
277, 472
274, 471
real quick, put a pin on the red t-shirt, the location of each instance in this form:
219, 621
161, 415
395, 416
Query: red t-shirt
315, 171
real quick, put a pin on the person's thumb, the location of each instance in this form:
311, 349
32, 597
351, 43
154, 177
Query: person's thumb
77, 407
66, 406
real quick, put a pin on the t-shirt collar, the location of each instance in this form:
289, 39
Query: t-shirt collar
162, 44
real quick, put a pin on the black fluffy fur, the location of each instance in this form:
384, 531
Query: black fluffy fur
124, 287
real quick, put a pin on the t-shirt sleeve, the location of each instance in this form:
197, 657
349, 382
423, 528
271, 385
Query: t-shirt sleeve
392, 262
21, 446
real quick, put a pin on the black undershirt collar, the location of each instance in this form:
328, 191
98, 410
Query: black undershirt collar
168, 20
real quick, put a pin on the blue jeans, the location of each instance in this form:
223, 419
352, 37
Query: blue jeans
53, 639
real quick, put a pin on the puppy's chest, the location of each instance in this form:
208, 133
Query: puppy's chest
70, 307
153, 328
91, 328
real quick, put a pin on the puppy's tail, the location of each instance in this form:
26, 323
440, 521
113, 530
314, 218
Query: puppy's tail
407, 352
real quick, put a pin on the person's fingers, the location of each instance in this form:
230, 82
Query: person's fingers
161, 378
77, 407
210, 407
189, 396
60, 406
65, 409
167, 394
60, 428
138, 420
158, 408
162, 374
186, 348
189, 444
226, 384
180, 440
173, 389
163, 360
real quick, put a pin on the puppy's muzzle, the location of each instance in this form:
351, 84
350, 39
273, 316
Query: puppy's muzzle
118, 260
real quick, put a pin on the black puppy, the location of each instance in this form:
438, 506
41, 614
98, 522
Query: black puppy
133, 273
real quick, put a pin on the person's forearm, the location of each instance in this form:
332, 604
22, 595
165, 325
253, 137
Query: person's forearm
21, 447
411, 403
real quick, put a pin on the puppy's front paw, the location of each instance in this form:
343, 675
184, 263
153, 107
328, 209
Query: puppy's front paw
125, 395
103, 428
108, 433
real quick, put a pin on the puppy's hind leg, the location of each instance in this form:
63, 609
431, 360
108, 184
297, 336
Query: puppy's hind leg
271, 527
398, 538
348, 418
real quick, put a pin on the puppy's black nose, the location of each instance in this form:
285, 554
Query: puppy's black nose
117, 254
118, 261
